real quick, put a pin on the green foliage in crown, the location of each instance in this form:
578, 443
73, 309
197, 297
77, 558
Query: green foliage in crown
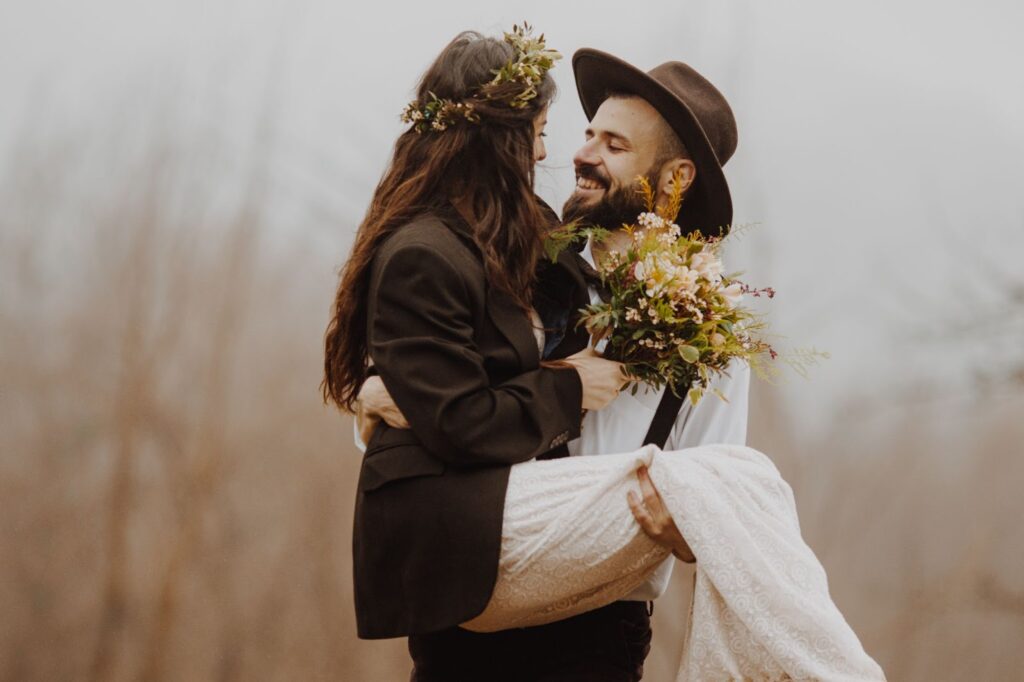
514, 84
438, 114
531, 60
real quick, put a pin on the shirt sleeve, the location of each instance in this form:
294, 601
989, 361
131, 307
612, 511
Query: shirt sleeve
713, 420
355, 436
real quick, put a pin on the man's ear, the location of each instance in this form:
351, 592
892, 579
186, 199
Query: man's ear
666, 177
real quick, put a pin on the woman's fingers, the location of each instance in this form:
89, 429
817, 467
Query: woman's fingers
652, 500
639, 513
367, 425
655, 519
375, 401
394, 418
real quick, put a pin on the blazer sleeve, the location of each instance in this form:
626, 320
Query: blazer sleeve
422, 345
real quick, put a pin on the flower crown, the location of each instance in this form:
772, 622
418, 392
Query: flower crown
530, 61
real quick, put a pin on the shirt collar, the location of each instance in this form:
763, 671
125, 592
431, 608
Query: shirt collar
587, 254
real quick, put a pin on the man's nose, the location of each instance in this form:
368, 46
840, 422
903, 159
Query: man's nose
586, 155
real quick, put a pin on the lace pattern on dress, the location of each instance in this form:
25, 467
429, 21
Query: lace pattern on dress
761, 607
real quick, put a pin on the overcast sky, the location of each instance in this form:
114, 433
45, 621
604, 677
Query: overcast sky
880, 142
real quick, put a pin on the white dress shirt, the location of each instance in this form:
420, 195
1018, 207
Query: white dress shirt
622, 425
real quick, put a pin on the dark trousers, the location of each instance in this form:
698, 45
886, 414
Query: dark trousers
605, 645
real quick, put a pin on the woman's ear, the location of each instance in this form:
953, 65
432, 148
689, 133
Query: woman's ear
666, 178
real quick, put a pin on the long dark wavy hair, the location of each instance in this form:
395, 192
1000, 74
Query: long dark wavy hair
489, 165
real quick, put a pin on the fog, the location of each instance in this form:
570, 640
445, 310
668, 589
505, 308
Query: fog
181, 181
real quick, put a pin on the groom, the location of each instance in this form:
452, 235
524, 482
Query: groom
668, 125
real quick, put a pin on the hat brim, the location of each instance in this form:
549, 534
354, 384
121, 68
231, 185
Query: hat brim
708, 206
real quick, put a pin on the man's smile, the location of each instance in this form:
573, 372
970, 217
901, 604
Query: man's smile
588, 182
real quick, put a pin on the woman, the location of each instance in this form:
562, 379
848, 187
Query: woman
437, 295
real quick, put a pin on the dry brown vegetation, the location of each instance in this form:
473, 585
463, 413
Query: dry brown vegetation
177, 502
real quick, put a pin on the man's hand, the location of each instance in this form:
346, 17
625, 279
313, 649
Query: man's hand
601, 379
373, 404
654, 519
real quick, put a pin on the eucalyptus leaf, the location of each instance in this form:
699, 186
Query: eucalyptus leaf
689, 354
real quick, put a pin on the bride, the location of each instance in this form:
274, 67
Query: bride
456, 520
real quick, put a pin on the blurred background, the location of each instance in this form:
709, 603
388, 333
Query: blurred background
180, 182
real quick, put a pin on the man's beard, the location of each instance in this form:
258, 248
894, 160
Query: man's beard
616, 207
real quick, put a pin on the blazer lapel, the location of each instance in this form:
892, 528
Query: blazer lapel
573, 295
514, 325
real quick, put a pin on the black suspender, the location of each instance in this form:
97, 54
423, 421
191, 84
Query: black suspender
664, 418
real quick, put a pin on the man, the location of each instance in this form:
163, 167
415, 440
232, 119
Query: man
669, 125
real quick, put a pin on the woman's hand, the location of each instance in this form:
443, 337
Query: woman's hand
373, 404
654, 519
602, 379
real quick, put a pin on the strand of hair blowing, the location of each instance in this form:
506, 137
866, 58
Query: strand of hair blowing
491, 165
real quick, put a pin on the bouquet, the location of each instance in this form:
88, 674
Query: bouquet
671, 315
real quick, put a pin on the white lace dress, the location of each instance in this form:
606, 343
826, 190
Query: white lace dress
761, 607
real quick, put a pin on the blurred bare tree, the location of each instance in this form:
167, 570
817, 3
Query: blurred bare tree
177, 502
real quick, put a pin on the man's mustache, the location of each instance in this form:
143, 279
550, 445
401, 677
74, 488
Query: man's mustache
592, 173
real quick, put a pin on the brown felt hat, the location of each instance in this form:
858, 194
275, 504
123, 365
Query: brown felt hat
695, 110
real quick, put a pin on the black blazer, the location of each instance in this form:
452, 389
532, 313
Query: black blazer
461, 362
